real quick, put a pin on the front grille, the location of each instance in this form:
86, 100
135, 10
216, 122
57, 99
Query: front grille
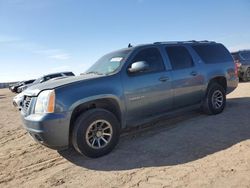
26, 103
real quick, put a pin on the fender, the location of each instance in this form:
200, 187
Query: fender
101, 96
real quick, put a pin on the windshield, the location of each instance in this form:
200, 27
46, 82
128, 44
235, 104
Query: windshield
108, 63
38, 80
245, 55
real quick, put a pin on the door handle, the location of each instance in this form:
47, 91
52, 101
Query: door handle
164, 78
193, 73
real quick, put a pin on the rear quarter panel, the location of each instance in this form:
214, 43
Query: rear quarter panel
213, 70
226, 70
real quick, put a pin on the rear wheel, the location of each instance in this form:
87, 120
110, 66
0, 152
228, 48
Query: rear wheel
96, 132
246, 75
215, 99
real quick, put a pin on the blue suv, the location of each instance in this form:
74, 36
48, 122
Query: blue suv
127, 88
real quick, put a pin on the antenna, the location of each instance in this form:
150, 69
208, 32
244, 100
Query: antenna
129, 45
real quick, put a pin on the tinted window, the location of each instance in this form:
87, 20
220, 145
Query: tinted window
212, 53
179, 57
29, 81
245, 55
153, 57
68, 73
52, 76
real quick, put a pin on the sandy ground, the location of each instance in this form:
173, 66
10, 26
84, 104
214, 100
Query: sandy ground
193, 150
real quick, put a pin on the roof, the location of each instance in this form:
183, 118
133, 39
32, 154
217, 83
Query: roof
185, 42
173, 42
244, 50
132, 47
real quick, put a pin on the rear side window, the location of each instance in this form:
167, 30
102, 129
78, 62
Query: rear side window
212, 53
153, 57
179, 57
29, 81
52, 76
68, 73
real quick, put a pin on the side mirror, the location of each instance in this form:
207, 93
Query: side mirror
138, 66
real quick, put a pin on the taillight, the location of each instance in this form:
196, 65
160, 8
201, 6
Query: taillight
238, 64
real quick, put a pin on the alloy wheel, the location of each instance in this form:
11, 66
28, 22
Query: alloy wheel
99, 134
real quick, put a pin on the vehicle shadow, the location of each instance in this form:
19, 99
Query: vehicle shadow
241, 81
2, 96
174, 141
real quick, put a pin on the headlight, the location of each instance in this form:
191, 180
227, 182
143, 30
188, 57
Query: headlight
45, 102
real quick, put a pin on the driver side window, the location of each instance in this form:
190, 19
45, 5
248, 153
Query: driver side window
152, 57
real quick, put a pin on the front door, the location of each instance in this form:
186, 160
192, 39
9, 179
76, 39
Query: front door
149, 92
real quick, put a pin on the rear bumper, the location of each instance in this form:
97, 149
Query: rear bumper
232, 84
51, 130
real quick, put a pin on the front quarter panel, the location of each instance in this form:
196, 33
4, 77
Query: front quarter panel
70, 96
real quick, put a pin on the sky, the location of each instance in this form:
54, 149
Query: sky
45, 36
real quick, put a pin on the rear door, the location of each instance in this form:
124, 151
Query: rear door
187, 81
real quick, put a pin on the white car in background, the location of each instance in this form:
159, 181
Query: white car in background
44, 79
18, 99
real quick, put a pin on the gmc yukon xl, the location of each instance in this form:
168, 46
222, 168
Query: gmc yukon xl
126, 88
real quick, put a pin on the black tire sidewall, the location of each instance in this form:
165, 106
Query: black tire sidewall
212, 88
245, 78
81, 125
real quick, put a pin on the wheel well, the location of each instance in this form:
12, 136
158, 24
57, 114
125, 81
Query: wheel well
220, 80
107, 104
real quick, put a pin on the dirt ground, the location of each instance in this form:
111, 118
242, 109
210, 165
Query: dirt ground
193, 150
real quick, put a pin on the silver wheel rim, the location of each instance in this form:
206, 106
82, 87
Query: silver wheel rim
99, 134
217, 99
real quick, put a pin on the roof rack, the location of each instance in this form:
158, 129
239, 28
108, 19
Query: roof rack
192, 41
183, 42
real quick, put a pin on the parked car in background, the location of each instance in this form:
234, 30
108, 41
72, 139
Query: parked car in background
126, 88
17, 100
14, 87
44, 79
242, 60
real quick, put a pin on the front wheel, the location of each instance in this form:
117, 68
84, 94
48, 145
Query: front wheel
215, 99
96, 132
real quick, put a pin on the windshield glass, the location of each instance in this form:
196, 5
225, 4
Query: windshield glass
245, 55
108, 63
38, 80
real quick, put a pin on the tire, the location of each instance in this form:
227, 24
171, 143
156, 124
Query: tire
215, 100
246, 75
90, 127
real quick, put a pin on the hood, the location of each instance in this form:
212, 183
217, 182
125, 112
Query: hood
51, 84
